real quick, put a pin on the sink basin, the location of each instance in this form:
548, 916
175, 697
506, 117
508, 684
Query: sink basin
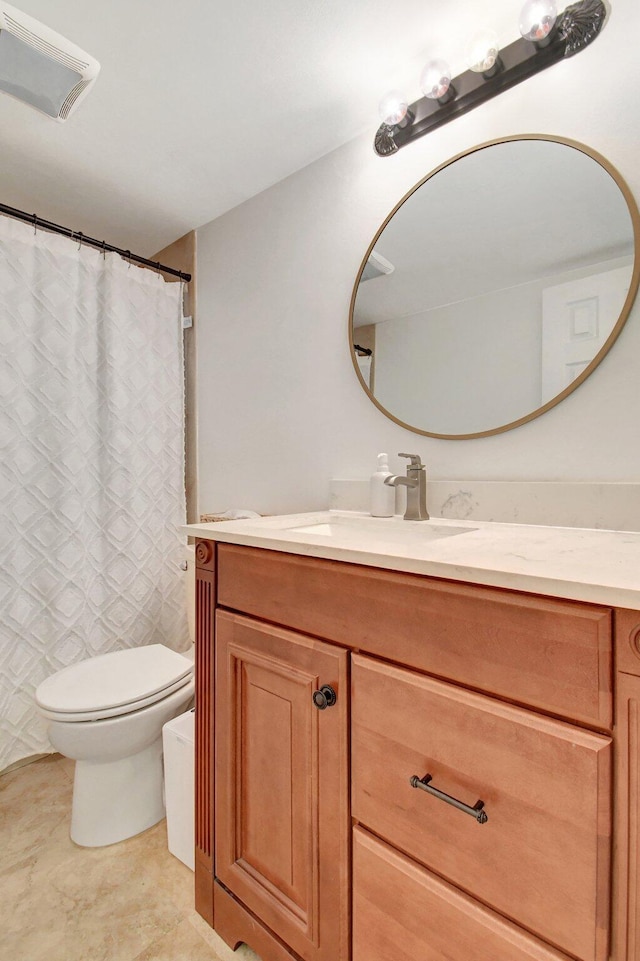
385, 529
325, 529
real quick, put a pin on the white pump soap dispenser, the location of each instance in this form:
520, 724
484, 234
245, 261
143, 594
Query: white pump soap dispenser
382, 497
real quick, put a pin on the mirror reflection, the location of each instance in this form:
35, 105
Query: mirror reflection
495, 287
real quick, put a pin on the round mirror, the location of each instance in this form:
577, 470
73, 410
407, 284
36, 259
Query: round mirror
495, 287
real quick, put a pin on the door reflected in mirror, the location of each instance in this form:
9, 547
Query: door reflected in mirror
495, 287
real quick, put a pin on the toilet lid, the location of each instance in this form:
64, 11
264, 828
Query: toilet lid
113, 680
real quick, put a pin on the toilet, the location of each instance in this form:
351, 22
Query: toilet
107, 713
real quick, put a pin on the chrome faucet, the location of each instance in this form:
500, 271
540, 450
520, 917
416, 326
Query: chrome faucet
416, 483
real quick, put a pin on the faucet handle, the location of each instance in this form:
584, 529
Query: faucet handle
416, 463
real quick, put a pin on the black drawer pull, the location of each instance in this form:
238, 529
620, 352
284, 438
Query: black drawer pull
477, 811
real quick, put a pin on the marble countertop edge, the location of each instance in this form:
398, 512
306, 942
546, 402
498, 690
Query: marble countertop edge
596, 566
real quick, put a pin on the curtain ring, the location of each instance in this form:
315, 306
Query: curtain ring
104, 250
128, 253
35, 224
79, 236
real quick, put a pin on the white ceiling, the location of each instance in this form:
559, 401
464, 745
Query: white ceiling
201, 105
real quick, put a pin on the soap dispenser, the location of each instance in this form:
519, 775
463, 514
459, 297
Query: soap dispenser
382, 497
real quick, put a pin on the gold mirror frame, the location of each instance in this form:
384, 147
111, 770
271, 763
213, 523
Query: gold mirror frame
606, 347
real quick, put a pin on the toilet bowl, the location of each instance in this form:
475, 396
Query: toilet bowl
107, 713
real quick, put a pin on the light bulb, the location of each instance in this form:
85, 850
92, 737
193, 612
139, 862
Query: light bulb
483, 51
435, 79
393, 108
537, 18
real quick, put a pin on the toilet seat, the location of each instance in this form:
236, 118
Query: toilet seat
114, 684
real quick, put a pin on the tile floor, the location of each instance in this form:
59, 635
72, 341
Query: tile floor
131, 901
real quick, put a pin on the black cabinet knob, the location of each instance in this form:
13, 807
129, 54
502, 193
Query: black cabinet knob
325, 697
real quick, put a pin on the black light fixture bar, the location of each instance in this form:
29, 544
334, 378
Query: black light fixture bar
574, 30
90, 241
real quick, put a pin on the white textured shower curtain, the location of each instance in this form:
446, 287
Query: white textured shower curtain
91, 466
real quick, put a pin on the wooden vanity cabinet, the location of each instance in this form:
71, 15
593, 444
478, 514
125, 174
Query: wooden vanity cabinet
311, 842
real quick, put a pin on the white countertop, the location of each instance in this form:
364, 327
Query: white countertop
587, 565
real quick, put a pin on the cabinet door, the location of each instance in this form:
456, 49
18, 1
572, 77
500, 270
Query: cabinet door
282, 817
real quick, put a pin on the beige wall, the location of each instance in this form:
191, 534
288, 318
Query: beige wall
181, 255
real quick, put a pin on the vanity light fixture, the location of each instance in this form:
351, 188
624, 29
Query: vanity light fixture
537, 20
394, 108
546, 38
435, 81
483, 53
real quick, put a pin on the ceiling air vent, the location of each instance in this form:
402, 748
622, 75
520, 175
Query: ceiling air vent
376, 266
40, 67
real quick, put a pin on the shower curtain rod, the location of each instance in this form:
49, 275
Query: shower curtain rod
90, 241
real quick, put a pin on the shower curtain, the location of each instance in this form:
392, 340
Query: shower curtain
91, 466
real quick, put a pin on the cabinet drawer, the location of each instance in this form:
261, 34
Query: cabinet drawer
401, 912
553, 655
542, 857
